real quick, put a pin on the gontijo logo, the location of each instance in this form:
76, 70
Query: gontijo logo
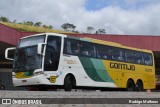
122, 66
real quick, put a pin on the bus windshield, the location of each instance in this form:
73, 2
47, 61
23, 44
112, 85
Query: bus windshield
26, 57
30, 41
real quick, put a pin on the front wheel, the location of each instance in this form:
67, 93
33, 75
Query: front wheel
68, 83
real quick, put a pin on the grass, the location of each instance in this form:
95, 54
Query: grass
29, 28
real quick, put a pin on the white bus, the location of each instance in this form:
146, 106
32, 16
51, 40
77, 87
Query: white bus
51, 60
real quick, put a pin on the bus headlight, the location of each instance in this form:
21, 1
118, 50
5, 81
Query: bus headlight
38, 73
13, 74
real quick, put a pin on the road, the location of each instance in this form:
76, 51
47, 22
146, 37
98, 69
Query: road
80, 99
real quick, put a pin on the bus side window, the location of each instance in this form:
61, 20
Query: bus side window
71, 47
67, 47
147, 59
139, 58
130, 56
75, 47
117, 54
88, 49
103, 52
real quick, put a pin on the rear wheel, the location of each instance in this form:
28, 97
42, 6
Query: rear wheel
139, 86
130, 85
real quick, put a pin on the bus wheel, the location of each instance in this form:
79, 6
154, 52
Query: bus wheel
68, 83
139, 86
130, 85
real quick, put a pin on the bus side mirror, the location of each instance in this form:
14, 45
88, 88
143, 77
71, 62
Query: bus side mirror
6, 53
40, 48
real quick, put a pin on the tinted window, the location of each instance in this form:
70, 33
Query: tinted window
52, 54
30, 41
103, 52
117, 54
147, 59
139, 58
87, 49
130, 56
71, 47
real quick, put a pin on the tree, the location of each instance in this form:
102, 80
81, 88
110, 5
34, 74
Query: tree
75, 31
68, 27
14, 21
38, 24
4, 19
90, 29
72, 27
28, 23
101, 31
64, 26
50, 26
45, 26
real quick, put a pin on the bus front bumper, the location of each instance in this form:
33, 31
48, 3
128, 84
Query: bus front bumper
34, 80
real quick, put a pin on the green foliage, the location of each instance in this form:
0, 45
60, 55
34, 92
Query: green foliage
38, 24
101, 31
4, 19
68, 27
90, 29
28, 28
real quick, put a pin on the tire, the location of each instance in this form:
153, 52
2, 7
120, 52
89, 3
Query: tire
139, 86
68, 83
130, 86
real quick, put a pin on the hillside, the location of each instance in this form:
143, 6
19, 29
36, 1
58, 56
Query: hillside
29, 28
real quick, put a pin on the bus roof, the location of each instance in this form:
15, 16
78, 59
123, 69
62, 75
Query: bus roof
102, 42
92, 40
116, 44
55, 34
109, 43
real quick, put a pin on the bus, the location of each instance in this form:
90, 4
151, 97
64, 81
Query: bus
50, 60
157, 73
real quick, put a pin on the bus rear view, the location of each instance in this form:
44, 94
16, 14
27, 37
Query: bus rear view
34, 55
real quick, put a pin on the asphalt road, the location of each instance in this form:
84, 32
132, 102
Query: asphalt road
79, 99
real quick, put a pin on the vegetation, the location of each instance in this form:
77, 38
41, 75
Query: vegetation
68, 27
29, 26
4, 19
101, 31
90, 29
